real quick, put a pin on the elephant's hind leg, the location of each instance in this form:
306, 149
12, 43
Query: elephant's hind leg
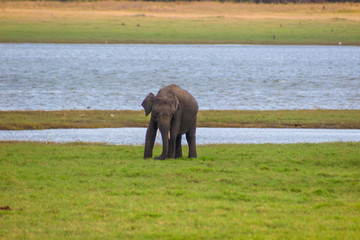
191, 139
178, 152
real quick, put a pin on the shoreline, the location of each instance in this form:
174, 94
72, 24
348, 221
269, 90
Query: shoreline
327, 119
195, 43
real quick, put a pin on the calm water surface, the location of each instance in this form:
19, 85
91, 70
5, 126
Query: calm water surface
136, 136
82, 76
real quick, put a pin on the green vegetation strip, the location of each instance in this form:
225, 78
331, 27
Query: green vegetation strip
18, 120
207, 30
87, 191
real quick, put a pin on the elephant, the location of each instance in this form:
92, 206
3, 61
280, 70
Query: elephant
174, 113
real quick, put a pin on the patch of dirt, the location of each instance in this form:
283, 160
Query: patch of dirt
5, 208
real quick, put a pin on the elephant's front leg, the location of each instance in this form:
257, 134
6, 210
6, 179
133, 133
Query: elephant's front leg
150, 139
172, 144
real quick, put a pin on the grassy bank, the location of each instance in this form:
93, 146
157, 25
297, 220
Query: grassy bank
17, 120
81, 191
143, 22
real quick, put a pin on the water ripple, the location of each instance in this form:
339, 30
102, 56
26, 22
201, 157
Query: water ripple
78, 76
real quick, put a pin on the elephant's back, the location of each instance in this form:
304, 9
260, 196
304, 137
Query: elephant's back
185, 98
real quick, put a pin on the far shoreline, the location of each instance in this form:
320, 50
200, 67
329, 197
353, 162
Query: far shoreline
194, 43
140, 22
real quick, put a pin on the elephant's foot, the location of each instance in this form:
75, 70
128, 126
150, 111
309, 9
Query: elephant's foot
146, 156
192, 155
160, 158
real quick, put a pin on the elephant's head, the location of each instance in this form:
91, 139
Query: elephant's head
163, 108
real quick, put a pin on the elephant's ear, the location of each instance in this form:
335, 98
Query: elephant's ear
177, 104
147, 103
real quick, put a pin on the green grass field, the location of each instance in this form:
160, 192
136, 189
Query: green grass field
18, 120
160, 30
87, 191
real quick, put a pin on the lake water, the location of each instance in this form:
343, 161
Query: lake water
91, 76
136, 136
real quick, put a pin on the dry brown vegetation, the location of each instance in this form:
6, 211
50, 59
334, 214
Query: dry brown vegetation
179, 23
17, 120
350, 11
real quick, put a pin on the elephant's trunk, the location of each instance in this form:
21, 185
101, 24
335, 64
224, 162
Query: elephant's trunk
165, 134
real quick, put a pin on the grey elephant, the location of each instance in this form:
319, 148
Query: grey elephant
174, 113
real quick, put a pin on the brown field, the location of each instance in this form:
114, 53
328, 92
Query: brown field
349, 11
19, 120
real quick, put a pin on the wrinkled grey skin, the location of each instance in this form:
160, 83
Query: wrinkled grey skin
173, 111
